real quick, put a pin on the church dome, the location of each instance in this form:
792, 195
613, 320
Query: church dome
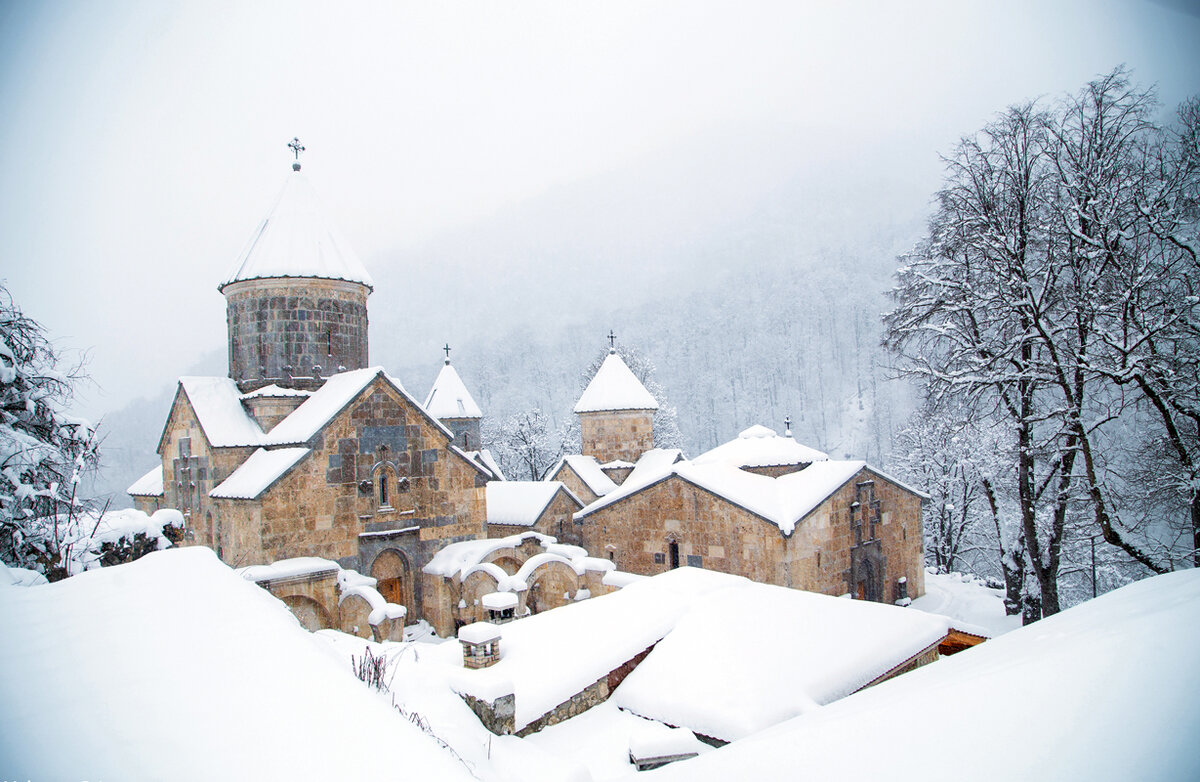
296, 239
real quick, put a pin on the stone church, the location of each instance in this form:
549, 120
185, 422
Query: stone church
305, 450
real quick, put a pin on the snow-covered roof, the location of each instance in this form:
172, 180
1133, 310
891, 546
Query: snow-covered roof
296, 239
783, 501
615, 387
588, 470
218, 406
149, 485
329, 400
236, 642
484, 458
522, 502
816, 649
760, 446
275, 391
449, 397
256, 474
289, 568
596, 636
616, 464
479, 632
1101, 691
499, 601
459, 559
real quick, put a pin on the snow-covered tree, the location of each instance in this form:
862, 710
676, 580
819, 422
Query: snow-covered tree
44, 451
524, 445
1050, 285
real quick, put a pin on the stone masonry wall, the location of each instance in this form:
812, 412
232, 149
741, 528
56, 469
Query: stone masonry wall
618, 434
710, 533
718, 535
282, 327
829, 532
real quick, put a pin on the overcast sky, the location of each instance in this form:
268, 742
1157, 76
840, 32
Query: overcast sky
141, 143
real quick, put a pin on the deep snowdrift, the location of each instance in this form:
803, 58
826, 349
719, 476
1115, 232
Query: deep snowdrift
174, 667
1103, 691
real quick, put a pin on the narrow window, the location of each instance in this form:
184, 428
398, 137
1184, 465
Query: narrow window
383, 489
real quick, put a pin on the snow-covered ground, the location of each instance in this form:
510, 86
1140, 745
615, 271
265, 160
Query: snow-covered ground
972, 605
174, 667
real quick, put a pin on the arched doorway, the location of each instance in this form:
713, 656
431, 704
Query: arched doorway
311, 614
390, 569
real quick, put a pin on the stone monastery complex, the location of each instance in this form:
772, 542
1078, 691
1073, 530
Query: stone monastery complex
365, 508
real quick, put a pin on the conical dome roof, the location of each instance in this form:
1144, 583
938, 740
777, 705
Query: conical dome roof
615, 387
297, 240
449, 397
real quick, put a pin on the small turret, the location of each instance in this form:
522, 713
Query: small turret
451, 403
616, 412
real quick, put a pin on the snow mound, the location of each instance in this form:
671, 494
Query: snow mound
117, 670
1102, 691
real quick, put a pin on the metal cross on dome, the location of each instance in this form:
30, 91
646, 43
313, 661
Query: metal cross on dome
296, 147
612, 339
447, 349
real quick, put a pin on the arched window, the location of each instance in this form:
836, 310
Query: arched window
383, 488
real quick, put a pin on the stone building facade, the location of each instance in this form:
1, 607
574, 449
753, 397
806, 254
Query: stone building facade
616, 435
862, 539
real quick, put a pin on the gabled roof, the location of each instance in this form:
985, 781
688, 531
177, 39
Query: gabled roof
329, 400
449, 397
615, 387
759, 446
296, 239
258, 473
149, 485
522, 502
588, 470
783, 501
822, 648
217, 404
485, 459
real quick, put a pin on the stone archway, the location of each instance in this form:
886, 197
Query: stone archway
506, 561
552, 584
395, 579
312, 615
477, 584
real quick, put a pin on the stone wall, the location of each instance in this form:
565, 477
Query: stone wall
617, 434
467, 432
824, 554
708, 531
191, 469
711, 532
279, 329
568, 478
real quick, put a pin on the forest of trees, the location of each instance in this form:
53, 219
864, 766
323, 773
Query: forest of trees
1050, 318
